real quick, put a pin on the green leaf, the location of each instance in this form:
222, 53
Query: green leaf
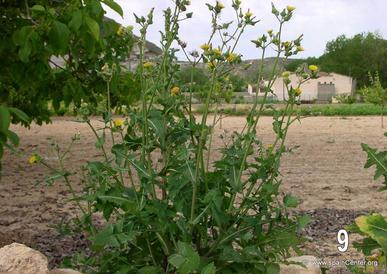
38, 8
209, 269
303, 221
379, 159
76, 20
272, 268
93, 27
291, 201
59, 36
375, 226
186, 260
20, 115
114, 6
5, 119
149, 270
105, 237
366, 246
12, 136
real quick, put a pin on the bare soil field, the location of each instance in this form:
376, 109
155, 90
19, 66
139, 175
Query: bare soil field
326, 172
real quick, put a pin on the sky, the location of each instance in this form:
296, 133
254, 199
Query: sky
318, 20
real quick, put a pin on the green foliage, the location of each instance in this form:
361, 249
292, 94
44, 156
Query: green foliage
375, 93
167, 206
356, 56
51, 52
309, 110
373, 227
9, 138
345, 99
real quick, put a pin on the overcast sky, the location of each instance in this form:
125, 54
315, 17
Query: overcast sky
319, 21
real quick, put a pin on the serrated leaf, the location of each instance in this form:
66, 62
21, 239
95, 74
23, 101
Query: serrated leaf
186, 260
366, 246
375, 226
114, 6
209, 269
291, 201
379, 159
303, 221
93, 27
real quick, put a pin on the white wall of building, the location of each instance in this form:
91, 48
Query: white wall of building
343, 85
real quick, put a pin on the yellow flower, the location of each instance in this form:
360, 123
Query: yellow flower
33, 159
175, 91
129, 28
118, 123
297, 91
248, 14
217, 51
219, 5
290, 8
211, 65
270, 147
313, 68
148, 65
270, 32
285, 74
300, 48
120, 31
205, 47
231, 57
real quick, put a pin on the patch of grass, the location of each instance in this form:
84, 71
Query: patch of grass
310, 110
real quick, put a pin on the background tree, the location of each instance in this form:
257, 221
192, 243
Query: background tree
375, 93
51, 52
357, 56
354, 56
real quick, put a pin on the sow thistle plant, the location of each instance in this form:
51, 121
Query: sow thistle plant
166, 206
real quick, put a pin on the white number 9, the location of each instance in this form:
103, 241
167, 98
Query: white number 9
342, 238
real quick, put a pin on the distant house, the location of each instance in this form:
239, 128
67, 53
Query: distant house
323, 89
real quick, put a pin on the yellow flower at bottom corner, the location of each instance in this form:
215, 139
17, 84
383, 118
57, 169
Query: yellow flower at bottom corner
175, 91
34, 158
118, 123
313, 68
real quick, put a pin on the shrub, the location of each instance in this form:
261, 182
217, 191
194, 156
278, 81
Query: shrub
167, 207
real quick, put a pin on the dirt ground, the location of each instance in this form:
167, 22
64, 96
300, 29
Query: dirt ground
326, 172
